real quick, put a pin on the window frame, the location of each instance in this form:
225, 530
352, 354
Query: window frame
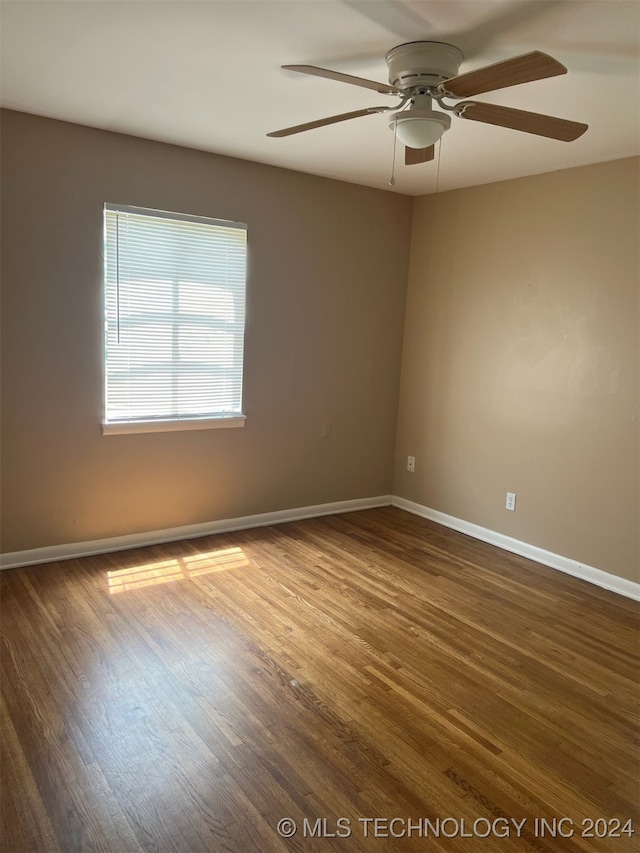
224, 420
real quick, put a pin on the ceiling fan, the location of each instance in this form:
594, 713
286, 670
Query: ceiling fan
421, 72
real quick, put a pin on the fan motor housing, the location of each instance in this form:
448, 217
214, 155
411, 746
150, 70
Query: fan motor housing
422, 63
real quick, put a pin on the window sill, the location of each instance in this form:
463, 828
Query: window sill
230, 422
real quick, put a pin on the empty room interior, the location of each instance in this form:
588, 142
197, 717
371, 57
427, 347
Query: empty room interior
320, 441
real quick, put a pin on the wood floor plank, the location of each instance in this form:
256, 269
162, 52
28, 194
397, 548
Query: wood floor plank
187, 697
21, 805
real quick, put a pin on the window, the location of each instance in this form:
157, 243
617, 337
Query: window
174, 320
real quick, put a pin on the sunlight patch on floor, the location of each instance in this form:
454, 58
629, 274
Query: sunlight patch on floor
180, 568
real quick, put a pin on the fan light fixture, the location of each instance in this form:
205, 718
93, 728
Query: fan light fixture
419, 128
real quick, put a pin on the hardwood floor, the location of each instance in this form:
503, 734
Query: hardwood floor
372, 665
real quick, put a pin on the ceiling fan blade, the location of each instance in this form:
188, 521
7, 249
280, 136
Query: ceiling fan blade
413, 156
310, 125
510, 72
541, 125
381, 88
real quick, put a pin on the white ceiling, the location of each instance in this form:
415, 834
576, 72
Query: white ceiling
207, 75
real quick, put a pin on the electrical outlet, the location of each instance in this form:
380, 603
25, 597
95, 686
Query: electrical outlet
411, 463
511, 501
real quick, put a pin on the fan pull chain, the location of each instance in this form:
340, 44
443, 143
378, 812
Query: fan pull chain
438, 164
392, 180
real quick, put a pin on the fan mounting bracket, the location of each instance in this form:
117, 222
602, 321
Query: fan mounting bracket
459, 109
422, 64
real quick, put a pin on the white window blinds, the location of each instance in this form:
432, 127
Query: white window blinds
174, 312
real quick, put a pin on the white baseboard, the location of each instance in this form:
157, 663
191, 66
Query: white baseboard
622, 586
54, 553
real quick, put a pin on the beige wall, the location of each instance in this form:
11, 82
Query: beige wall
520, 364
326, 292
